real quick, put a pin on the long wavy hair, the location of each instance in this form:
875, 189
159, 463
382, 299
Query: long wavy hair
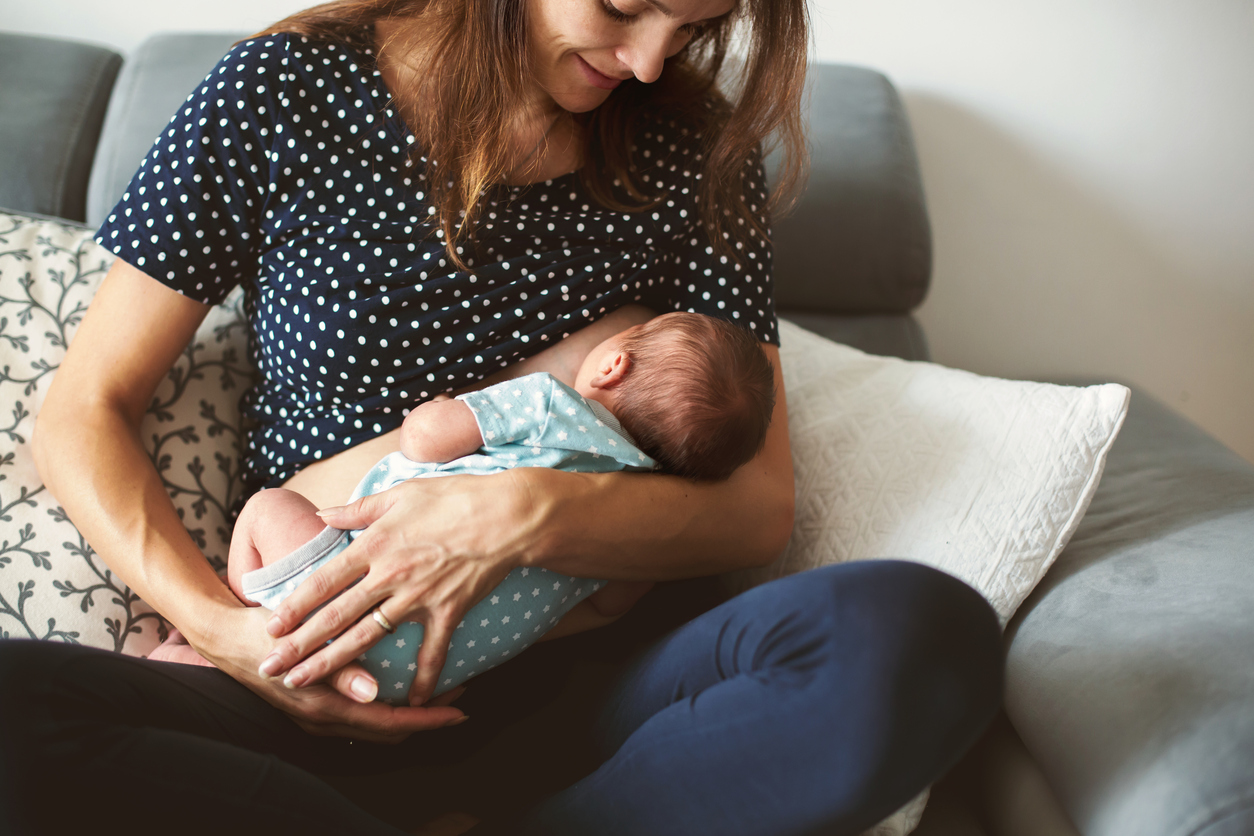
471, 74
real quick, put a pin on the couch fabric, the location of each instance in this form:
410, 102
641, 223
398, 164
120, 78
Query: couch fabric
1130, 674
52, 96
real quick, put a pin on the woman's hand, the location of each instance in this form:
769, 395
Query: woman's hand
320, 709
429, 554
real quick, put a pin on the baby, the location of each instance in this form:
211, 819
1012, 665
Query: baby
684, 393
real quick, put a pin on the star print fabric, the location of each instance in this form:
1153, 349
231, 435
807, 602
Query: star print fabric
533, 421
288, 171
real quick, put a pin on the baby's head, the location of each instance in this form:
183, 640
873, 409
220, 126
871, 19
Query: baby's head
695, 392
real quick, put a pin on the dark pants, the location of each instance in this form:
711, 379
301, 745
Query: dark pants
816, 704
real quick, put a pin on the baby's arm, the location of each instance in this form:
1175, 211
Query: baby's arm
440, 430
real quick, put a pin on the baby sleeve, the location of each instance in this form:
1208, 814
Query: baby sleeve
192, 215
512, 411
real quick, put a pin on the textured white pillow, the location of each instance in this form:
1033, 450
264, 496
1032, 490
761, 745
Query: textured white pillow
52, 584
983, 478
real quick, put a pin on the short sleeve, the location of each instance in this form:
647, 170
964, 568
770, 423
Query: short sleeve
512, 411
192, 215
691, 275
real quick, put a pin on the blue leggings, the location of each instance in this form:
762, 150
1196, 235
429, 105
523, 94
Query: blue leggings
815, 704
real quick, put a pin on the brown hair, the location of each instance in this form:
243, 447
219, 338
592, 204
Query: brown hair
474, 66
698, 394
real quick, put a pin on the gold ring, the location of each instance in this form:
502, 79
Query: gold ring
382, 620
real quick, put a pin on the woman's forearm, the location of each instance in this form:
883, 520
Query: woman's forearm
87, 446
93, 463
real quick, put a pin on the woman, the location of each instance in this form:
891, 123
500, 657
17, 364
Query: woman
420, 197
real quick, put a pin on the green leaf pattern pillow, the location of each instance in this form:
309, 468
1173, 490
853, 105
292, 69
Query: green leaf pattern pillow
52, 584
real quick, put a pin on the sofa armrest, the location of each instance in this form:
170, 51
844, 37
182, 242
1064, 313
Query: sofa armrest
1130, 674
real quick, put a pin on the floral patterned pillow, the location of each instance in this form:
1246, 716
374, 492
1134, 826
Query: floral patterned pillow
52, 584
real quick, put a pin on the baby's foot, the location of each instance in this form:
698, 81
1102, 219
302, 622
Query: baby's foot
176, 649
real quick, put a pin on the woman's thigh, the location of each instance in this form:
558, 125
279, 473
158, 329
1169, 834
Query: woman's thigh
194, 749
816, 703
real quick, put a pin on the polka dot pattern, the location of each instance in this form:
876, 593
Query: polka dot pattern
288, 171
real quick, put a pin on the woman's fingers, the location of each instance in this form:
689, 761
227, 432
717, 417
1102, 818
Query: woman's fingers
338, 573
360, 514
354, 682
336, 655
437, 633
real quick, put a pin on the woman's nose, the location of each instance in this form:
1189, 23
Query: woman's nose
647, 50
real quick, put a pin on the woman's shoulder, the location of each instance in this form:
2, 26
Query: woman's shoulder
283, 58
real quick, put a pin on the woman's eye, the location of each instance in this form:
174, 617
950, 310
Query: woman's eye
612, 11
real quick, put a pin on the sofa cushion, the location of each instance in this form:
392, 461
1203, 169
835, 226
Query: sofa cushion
53, 95
52, 584
859, 240
983, 478
1130, 672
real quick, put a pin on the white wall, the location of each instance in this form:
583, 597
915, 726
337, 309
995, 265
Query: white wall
1088, 167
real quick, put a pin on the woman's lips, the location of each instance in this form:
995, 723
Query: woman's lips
596, 78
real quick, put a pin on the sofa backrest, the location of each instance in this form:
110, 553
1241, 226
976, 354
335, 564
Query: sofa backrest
858, 240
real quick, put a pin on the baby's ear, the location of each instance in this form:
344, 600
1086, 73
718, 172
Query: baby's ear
612, 371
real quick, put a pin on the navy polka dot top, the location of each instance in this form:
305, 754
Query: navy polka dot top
288, 171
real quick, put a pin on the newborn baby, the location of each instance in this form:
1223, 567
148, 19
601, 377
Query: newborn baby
684, 393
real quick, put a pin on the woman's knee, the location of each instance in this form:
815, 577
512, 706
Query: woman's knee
910, 631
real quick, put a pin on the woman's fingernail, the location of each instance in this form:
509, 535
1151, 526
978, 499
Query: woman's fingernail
365, 688
270, 665
458, 721
326, 512
274, 626
296, 678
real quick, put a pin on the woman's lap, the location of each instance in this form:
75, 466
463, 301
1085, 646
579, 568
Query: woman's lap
834, 695
818, 703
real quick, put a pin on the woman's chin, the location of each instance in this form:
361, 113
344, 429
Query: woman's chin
582, 101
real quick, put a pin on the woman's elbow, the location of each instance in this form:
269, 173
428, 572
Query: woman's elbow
47, 436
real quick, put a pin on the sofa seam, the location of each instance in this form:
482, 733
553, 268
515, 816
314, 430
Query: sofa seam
128, 73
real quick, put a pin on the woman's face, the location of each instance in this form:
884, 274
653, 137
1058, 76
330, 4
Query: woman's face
583, 49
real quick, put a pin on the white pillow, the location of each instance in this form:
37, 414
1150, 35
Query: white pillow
52, 585
983, 478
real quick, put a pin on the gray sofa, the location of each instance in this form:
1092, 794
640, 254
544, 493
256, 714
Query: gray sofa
1129, 706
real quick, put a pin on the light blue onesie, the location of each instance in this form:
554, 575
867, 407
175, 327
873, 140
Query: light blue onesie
534, 421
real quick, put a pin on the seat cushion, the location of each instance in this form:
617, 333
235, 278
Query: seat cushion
53, 95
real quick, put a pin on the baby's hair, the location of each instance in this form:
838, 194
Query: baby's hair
698, 394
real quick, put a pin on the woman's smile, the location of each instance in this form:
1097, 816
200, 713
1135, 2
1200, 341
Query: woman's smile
595, 77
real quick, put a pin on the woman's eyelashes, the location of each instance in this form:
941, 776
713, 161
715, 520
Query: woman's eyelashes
617, 14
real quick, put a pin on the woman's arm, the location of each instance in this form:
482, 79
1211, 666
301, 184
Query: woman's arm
435, 547
88, 451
